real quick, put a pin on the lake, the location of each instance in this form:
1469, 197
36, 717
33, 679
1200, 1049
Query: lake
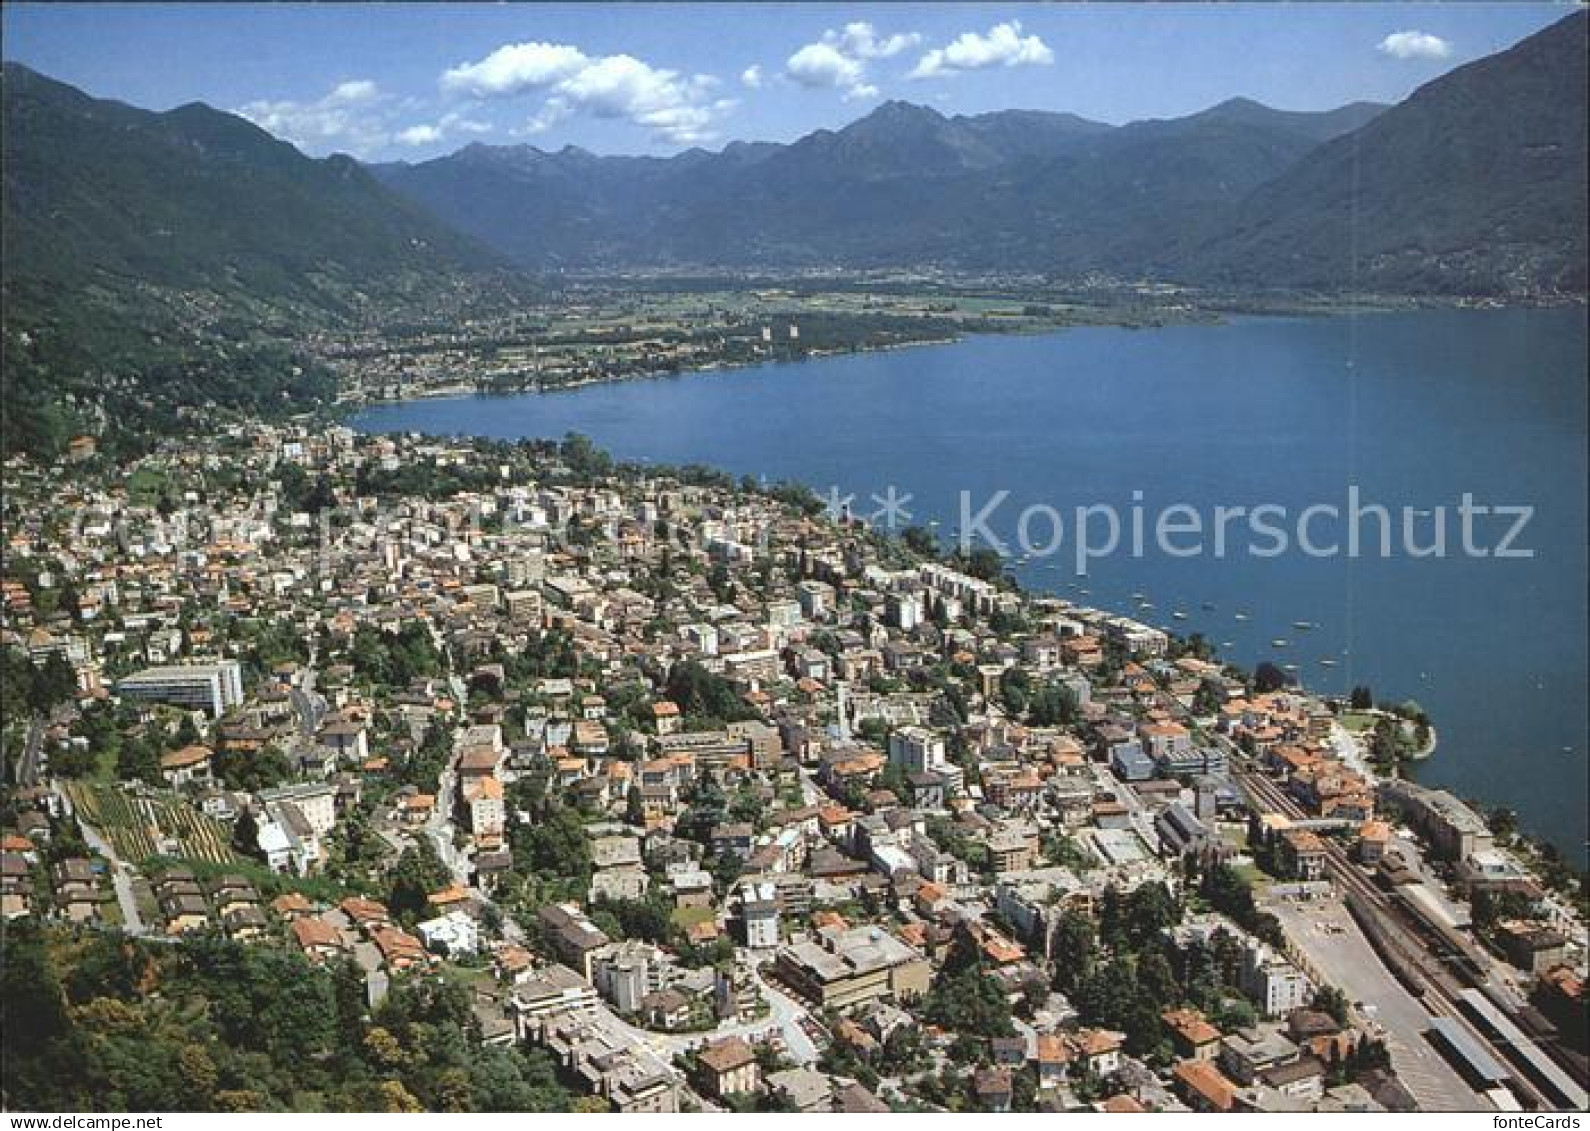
1415, 409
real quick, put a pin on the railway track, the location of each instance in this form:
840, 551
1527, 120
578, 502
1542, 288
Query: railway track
1440, 990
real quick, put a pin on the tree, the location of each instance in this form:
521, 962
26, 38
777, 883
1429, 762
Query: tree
705, 811
705, 694
1267, 677
555, 847
1014, 689
1504, 824
417, 873
1233, 1014
920, 541
1330, 1000
1074, 946
1361, 698
983, 562
968, 1001
252, 771
1053, 705
245, 834
650, 918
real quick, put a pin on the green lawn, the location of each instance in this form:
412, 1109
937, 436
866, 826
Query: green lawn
1251, 875
1357, 721
146, 485
688, 917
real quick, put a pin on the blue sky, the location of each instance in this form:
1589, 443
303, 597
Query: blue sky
413, 81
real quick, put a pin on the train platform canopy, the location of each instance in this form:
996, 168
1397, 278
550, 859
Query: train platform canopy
1476, 1061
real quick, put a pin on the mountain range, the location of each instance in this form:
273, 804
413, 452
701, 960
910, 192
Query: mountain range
159, 262
1474, 184
101, 193
178, 252
903, 185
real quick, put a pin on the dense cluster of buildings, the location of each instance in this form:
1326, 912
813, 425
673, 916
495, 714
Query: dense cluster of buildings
813, 755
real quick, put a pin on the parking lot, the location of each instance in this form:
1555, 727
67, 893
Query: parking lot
1325, 932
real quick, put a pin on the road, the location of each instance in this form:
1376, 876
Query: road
32, 752
785, 1013
1105, 781
440, 826
785, 1017
1437, 983
1348, 752
308, 705
1325, 932
132, 921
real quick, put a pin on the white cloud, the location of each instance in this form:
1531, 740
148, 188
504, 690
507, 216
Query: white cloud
354, 92
838, 61
352, 118
515, 68
356, 117
823, 65
1414, 45
676, 107
419, 135
1003, 46
752, 76
431, 133
860, 40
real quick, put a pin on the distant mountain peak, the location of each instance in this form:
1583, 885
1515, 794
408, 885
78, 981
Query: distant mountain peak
897, 114
899, 107
1240, 105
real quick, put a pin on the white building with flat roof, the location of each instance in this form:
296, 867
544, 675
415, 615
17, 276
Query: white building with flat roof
213, 687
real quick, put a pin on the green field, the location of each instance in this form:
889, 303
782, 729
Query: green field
135, 826
690, 916
1357, 721
146, 485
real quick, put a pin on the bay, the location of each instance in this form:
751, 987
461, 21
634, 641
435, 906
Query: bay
1412, 408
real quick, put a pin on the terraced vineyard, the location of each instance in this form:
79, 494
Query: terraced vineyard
139, 827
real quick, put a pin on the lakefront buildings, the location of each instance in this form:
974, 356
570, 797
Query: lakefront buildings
716, 801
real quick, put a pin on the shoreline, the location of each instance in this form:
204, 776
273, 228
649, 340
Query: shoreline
1216, 313
1421, 757
449, 392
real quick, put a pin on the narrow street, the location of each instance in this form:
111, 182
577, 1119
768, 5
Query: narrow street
132, 921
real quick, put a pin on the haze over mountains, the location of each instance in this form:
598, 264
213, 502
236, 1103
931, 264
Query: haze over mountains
1475, 183
903, 185
185, 252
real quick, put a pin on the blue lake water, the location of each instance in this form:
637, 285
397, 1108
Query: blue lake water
1415, 409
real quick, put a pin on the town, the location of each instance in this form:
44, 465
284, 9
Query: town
601, 329
666, 792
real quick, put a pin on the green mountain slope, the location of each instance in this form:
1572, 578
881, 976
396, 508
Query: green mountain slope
903, 185
1475, 183
160, 259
